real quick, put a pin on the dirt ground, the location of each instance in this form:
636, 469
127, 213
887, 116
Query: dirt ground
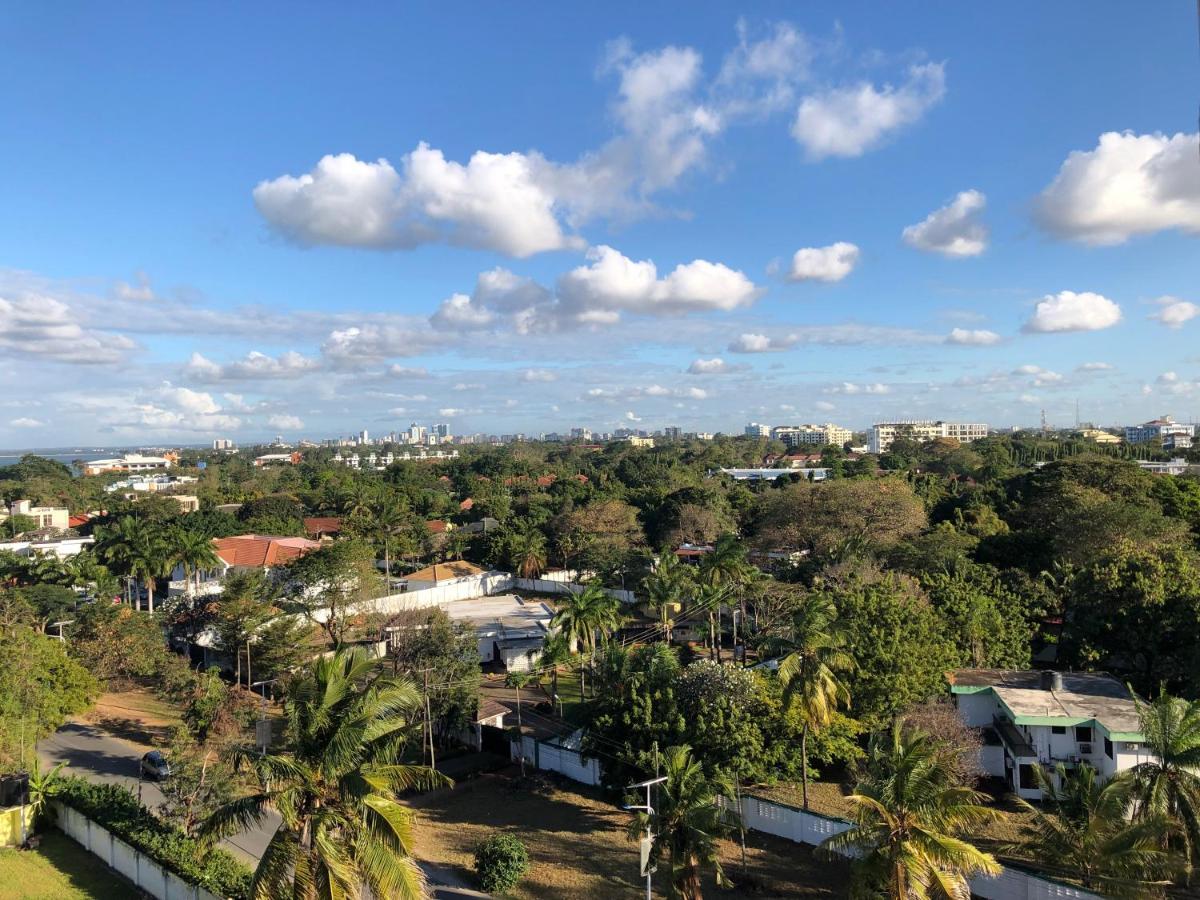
578, 847
135, 714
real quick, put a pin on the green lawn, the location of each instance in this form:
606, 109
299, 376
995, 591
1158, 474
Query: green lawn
59, 870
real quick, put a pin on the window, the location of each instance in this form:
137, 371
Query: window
1058, 729
1028, 781
1083, 734
1108, 748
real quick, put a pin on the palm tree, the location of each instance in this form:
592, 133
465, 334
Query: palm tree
665, 589
388, 514
356, 500
528, 553
909, 816
1169, 784
1084, 829
686, 823
194, 552
724, 567
149, 560
337, 787
556, 652
813, 653
115, 543
580, 617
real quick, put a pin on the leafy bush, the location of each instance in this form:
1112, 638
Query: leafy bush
117, 809
500, 862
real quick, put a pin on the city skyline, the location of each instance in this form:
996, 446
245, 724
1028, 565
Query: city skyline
663, 220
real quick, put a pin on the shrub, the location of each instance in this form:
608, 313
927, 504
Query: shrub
117, 809
500, 862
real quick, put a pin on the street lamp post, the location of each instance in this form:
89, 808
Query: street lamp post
648, 840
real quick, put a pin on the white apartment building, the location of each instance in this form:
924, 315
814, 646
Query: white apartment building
130, 462
754, 429
1156, 430
1041, 718
45, 516
883, 433
222, 444
812, 435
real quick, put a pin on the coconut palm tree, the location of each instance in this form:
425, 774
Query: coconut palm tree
666, 587
387, 515
336, 787
686, 823
528, 552
1084, 829
583, 616
812, 656
194, 552
556, 653
356, 499
1169, 783
910, 818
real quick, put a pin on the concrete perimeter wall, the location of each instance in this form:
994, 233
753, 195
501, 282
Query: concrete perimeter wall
154, 879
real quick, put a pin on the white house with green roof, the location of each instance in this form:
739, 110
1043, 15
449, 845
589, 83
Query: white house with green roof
1043, 718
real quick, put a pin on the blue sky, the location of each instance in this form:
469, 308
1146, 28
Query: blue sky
237, 221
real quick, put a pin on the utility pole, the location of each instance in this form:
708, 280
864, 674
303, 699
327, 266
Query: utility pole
428, 719
648, 841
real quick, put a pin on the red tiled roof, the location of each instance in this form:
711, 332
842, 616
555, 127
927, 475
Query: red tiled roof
436, 526
457, 568
466, 504
323, 524
76, 521
253, 550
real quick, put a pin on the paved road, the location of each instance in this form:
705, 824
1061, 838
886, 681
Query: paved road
93, 753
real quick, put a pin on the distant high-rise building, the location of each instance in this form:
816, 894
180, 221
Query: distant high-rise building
883, 433
416, 433
442, 430
672, 432
363, 437
756, 430
584, 434
223, 444
1157, 430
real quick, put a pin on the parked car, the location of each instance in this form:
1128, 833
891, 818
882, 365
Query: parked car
155, 766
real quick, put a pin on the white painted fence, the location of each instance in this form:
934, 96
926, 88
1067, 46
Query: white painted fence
553, 757
812, 828
154, 879
558, 586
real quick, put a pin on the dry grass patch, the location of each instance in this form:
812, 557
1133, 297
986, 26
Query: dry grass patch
134, 713
577, 844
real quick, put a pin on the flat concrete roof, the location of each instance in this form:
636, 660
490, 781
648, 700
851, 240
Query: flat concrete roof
1085, 696
506, 610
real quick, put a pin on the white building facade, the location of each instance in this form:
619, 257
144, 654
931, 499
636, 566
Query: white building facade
812, 435
884, 433
1042, 718
1157, 430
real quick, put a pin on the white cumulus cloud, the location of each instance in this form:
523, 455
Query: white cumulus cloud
714, 366
1128, 185
828, 264
1071, 311
255, 365
953, 230
1174, 312
972, 337
26, 422
285, 422
849, 121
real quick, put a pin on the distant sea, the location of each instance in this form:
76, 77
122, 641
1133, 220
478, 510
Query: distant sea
66, 455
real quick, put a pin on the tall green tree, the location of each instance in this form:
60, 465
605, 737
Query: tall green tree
336, 787
194, 552
687, 823
1168, 784
912, 822
666, 588
813, 654
1083, 829
585, 616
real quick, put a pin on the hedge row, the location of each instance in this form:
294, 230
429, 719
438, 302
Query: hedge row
117, 809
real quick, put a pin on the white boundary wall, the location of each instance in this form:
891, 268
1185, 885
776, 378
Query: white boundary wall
154, 879
556, 758
811, 828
